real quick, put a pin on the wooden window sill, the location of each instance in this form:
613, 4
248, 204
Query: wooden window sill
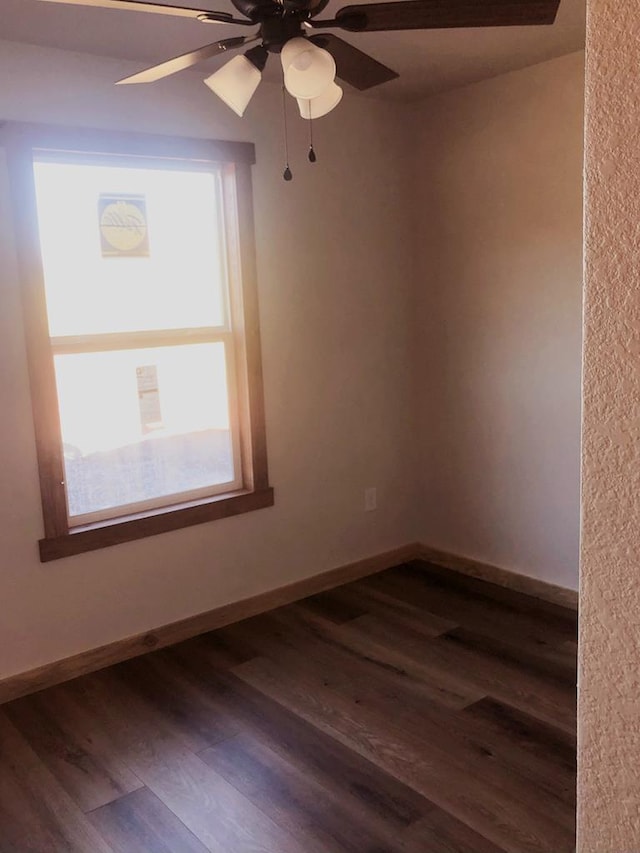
129, 528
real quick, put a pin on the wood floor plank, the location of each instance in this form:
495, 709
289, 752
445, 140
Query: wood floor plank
546, 699
215, 812
334, 607
387, 696
140, 823
220, 652
519, 602
199, 723
558, 663
530, 770
371, 600
350, 775
439, 776
526, 772
442, 833
522, 731
36, 813
312, 813
474, 612
289, 633
83, 765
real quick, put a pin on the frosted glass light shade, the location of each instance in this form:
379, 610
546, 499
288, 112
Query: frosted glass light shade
235, 83
317, 107
291, 49
308, 70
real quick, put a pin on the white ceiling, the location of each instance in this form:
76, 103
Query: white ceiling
428, 61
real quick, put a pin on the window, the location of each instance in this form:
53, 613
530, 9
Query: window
141, 313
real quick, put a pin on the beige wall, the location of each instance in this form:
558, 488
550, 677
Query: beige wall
609, 704
499, 313
335, 284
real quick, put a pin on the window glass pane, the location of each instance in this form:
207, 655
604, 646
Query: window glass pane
130, 249
142, 424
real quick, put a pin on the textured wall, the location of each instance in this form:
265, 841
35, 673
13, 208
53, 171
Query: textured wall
500, 313
609, 712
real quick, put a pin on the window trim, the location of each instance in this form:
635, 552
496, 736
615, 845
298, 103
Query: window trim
234, 159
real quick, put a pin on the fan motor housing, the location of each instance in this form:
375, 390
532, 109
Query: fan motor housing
276, 32
313, 7
260, 10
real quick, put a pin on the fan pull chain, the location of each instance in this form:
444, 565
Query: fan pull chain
312, 152
288, 174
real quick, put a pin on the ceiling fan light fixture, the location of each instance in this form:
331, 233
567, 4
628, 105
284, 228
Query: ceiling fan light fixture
308, 70
293, 48
236, 82
313, 108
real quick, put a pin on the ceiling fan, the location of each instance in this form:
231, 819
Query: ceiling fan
312, 60
280, 22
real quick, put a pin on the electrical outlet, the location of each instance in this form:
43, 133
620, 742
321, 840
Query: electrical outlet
370, 499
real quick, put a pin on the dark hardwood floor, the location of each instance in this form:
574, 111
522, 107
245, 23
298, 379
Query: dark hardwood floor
416, 711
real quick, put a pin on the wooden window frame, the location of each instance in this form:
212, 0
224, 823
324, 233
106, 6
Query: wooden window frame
234, 159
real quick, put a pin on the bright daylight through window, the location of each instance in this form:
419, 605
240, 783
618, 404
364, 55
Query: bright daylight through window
156, 388
145, 417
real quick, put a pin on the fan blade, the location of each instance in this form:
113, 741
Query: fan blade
440, 14
354, 67
156, 8
186, 60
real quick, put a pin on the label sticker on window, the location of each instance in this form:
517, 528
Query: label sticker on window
123, 226
149, 398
